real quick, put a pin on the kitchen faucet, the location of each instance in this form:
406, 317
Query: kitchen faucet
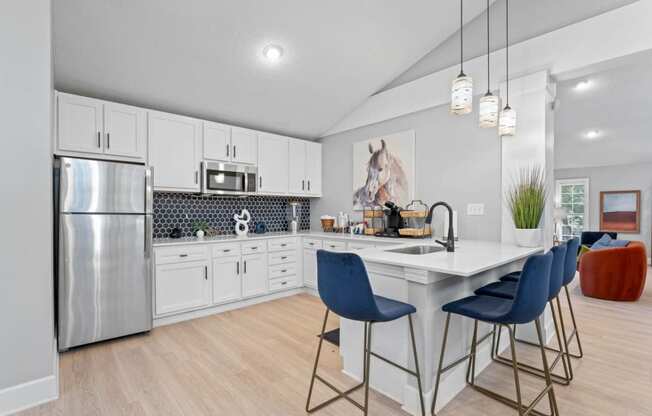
450, 243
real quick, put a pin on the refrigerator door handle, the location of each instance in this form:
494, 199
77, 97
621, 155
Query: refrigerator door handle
149, 191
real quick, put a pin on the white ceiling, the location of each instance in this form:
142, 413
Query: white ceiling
618, 103
203, 57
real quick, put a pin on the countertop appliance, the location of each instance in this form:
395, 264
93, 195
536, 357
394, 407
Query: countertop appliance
103, 252
393, 221
294, 216
228, 178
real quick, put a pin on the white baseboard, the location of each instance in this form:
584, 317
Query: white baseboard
33, 393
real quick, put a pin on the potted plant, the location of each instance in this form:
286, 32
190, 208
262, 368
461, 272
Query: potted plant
199, 228
527, 201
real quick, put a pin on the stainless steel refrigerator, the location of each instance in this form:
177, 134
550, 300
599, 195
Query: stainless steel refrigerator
103, 250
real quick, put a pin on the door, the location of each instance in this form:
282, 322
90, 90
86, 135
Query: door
104, 279
79, 124
244, 145
572, 197
272, 164
124, 131
174, 151
94, 186
297, 168
313, 168
310, 268
217, 142
227, 285
254, 275
181, 286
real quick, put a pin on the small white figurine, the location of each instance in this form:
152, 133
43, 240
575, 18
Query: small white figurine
242, 223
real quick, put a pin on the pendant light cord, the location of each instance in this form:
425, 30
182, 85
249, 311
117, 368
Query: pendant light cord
461, 36
488, 51
507, 45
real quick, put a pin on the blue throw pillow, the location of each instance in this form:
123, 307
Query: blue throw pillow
603, 241
618, 243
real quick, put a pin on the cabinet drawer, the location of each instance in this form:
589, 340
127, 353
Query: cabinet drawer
312, 243
282, 257
254, 247
221, 250
282, 283
282, 270
282, 244
180, 254
333, 245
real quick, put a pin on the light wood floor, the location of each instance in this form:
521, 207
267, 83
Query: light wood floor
258, 361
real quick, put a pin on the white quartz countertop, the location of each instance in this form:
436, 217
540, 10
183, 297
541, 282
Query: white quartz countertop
470, 257
251, 237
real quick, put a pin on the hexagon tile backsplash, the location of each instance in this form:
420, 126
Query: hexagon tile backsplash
181, 210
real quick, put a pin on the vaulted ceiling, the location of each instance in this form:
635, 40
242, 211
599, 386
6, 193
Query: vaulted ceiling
204, 57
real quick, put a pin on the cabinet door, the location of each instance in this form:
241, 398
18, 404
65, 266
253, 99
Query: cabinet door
181, 286
217, 141
313, 168
244, 145
174, 151
272, 164
227, 285
124, 131
79, 124
254, 275
310, 268
297, 167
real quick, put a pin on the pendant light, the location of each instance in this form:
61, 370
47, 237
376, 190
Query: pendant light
489, 102
507, 125
462, 89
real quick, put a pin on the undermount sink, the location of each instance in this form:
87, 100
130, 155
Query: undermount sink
417, 250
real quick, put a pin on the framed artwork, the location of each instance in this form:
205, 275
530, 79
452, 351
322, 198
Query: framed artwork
620, 211
384, 170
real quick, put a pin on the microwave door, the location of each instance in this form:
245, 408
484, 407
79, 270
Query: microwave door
225, 181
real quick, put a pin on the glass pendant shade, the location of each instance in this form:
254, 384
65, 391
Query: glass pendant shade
462, 95
489, 110
507, 122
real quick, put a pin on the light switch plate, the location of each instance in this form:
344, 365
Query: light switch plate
475, 209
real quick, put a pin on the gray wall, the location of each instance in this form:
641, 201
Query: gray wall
617, 178
26, 312
456, 161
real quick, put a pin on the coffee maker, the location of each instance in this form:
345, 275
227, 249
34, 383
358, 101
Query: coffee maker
393, 220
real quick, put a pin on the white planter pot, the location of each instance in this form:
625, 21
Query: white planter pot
529, 237
200, 234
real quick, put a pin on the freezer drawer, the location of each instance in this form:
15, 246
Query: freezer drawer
104, 277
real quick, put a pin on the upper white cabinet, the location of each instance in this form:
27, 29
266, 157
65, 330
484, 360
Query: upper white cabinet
244, 143
102, 128
305, 168
273, 164
174, 151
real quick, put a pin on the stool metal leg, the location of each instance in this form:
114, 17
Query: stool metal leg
441, 363
575, 334
416, 365
551, 391
366, 371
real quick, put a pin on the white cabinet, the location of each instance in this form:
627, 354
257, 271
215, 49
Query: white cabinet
310, 267
174, 151
181, 287
244, 144
254, 274
305, 168
273, 164
104, 129
227, 285
217, 141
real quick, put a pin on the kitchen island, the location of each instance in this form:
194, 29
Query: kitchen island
426, 281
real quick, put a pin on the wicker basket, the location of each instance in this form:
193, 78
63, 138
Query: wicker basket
327, 224
414, 217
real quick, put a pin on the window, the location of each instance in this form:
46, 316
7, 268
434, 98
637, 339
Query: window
573, 195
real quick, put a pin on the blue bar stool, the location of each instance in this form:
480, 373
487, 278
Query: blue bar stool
507, 290
344, 287
527, 306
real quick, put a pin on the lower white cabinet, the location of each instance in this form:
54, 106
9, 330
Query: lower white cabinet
227, 285
254, 275
182, 286
310, 267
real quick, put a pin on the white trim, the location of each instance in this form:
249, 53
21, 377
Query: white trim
33, 393
587, 196
562, 51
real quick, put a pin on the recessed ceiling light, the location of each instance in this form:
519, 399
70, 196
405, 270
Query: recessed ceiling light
272, 53
583, 85
592, 134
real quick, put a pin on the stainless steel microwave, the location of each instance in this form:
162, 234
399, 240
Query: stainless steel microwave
228, 178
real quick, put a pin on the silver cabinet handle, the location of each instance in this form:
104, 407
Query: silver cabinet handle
237, 268
283, 245
284, 283
108, 140
245, 267
227, 149
234, 154
312, 244
254, 248
226, 250
308, 184
196, 177
99, 140
284, 271
260, 181
284, 257
205, 272
183, 255
303, 184
332, 246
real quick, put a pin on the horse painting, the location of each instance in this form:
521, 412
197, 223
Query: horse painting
386, 179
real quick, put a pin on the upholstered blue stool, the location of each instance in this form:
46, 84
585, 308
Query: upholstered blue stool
344, 287
508, 289
528, 304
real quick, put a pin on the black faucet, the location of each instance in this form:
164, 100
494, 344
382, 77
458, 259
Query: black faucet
450, 243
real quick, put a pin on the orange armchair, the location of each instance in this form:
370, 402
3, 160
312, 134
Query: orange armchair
614, 273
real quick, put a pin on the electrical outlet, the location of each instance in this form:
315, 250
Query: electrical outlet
475, 209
